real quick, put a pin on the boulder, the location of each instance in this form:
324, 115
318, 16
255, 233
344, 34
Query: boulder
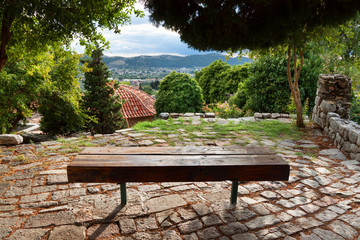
10, 139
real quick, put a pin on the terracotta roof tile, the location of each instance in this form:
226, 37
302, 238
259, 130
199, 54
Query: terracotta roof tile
137, 103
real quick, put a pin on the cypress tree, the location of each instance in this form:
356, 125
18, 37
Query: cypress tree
100, 98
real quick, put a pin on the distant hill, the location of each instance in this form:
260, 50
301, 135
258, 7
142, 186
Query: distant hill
170, 61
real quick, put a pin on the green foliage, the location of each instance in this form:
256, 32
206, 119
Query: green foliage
45, 81
146, 88
37, 24
155, 85
219, 80
267, 88
240, 97
355, 108
224, 110
100, 99
178, 93
247, 24
340, 49
21, 82
59, 102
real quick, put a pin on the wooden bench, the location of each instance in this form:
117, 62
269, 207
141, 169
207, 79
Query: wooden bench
177, 164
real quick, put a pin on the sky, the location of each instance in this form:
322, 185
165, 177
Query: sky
142, 38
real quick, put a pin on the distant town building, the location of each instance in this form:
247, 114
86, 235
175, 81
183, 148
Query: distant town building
137, 106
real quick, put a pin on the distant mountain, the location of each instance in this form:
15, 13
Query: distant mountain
170, 61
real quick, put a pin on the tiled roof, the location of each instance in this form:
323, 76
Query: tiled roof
137, 103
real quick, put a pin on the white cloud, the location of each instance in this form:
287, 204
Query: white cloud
143, 38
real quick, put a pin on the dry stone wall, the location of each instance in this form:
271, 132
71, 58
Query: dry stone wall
332, 112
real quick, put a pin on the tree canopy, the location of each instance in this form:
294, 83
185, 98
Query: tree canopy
246, 24
38, 23
178, 93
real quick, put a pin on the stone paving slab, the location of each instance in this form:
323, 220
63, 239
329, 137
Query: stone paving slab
321, 200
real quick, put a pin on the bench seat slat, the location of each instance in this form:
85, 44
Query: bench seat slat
190, 150
174, 160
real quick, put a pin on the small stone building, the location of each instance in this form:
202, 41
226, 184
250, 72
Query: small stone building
137, 106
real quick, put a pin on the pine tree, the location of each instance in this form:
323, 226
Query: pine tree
100, 98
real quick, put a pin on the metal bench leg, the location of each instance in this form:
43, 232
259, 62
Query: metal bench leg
123, 193
234, 191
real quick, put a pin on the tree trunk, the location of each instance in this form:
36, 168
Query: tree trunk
5, 37
294, 85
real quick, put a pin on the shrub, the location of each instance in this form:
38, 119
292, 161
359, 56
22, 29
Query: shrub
355, 108
267, 88
178, 93
224, 110
45, 80
219, 80
61, 116
60, 103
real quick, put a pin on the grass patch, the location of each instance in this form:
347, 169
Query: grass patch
273, 130
146, 124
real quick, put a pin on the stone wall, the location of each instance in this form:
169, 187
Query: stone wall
332, 112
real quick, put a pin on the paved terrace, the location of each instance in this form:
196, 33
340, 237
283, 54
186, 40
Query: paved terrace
321, 200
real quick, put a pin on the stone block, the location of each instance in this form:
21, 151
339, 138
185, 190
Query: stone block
323, 116
346, 146
354, 148
332, 115
327, 106
258, 115
326, 130
29, 234
275, 115
189, 114
68, 232
209, 115
165, 202
10, 139
319, 121
326, 77
164, 115
266, 115
284, 115
333, 120
176, 115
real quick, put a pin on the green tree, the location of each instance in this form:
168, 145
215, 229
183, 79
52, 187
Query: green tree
340, 49
210, 80
266, 90
100, 99
146, 88
59, 103
155, 84
247, 24
178, 93
21, 82
31, 78
39, 23
219, 80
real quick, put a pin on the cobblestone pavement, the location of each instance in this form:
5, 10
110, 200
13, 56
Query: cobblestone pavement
321, 200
